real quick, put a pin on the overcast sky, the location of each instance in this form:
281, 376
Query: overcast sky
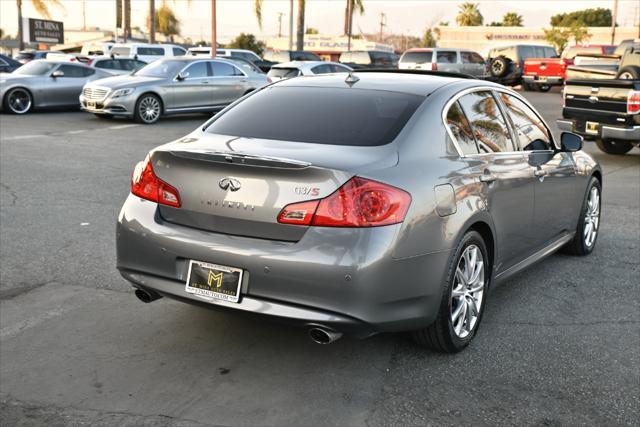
235, 16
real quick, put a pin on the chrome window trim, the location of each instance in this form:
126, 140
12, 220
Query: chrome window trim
490, 89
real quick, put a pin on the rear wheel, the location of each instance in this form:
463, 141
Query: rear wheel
148, 109
463, 298
527, 87
629, 73
18, 101
614, 147
543, 88
589, 223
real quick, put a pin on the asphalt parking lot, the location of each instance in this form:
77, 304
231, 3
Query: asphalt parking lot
559, 343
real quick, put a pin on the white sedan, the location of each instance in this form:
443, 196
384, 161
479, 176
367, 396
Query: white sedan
287, 70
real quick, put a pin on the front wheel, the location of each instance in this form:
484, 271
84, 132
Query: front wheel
18, 101
589, 223
543, 88
463, 298
614, 147
148, 109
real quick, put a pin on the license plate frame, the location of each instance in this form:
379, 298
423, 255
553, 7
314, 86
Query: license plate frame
591, 128
91, 105
214, 281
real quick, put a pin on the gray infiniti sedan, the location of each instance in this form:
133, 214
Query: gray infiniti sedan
359, 203
171, 86
44, 83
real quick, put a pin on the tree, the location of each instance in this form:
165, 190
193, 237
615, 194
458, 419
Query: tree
1, 33
559, 36
428, 39
41, 7
495, 24
444, 23
356, 5
257, 5
248, 42
512, 19
599, 17
300, 25
311, 30
469, 15
166, 22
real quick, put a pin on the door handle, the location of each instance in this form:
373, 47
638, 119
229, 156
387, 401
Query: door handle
540, 173
204, 83
488, 178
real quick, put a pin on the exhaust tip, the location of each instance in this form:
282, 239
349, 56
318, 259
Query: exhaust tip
145, 296
323, 336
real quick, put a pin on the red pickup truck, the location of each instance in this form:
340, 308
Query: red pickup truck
542, 73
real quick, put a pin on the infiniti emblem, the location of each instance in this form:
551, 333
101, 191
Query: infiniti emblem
229, 184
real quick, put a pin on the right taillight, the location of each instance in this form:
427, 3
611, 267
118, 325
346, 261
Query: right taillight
633, 102
359, 202
434, 66
145, 184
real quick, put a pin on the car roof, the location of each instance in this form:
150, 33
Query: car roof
416, 84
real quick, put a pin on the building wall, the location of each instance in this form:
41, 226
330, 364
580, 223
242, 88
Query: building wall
481, 39
328, 46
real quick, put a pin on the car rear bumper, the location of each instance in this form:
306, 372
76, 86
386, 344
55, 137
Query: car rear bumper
342, 278
543, 80
604, 131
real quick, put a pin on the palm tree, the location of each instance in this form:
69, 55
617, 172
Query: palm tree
300, 25
41, 6
512, 19
152, 17
469, 15
356, 5
258, 9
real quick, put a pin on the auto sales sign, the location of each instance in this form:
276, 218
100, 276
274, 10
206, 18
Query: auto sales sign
42, 31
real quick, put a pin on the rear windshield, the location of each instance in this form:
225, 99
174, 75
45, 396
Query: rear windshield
283, 73
417, 57
317, 115
120, 51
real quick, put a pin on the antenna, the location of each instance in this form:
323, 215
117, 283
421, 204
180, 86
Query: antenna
351, 79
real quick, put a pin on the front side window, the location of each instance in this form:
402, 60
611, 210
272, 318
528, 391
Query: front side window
73, 71
177, 51
446, 57
339, 69
333, 116
530, 131
161, 68
488, 124
198, 70
461, 129
36, 68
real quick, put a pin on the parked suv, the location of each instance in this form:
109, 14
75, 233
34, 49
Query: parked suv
457, 60
506, 64
369, 59
147, 52
280, 56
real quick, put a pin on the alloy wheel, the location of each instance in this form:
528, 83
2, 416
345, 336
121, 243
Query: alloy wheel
149, 109
592, 218
468, 291
626, 76
497, 67
19, 101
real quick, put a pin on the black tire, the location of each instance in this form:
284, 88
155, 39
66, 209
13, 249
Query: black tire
614, 147
440, 335
103, 116
21, 95
140, 115
579, 245
543, 88
631, 72
527, 87
500, 66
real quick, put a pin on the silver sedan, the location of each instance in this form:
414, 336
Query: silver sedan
171, 86
44, 83
287, 70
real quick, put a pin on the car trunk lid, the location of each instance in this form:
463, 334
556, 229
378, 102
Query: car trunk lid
601, 95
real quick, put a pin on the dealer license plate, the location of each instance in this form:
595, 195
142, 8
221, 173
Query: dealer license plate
591, 128
214, 281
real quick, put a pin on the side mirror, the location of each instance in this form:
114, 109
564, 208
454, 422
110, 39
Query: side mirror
570, 142
182, 76
57, 73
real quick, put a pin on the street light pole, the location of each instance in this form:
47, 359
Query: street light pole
290, 25
214, 43
349, 23
613, 21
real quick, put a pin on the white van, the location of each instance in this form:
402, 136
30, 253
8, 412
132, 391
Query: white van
147, 52
96, 49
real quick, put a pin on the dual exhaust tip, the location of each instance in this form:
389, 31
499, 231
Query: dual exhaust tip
318, 334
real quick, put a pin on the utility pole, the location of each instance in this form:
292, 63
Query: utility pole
613, 21
84, 15
280, 24
290, 25
349, 23
383, 23
214, 44
152, 21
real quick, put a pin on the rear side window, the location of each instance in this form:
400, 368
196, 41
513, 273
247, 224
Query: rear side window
73, 71
179, 51
198, 70
222, 69
346, 116
322, 69
151, 51
417, 57
446, 57
488, 124
461, 129
381, 58
108, 64
531, 132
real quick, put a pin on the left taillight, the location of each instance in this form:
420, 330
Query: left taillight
359, 202
633, 102
145, 184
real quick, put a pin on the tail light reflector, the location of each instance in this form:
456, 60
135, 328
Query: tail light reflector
434, 66
633, 102
357, 203
145, 184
